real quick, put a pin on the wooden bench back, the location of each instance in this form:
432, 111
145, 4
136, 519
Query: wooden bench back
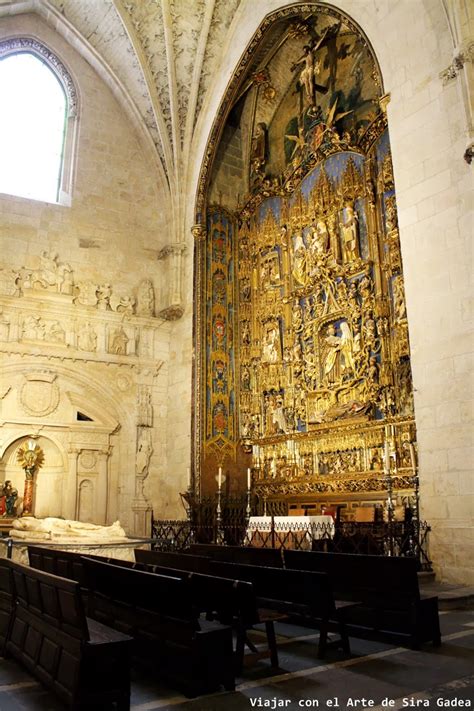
137, 589
221, 598
246, 555
66, 564
310, 591
180, 561
370, 579
6, 598
55, 600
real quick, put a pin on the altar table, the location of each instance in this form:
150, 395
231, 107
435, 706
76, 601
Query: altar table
290, 531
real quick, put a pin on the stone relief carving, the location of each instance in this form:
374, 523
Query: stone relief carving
10, 282
39, 395
146, 299
145, 407
87, 338
88, 459
118, 341
4, 327
144, 451
35, 328
52, 275
122, 304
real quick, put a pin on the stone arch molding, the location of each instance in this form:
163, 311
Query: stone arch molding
24, 44
30, 45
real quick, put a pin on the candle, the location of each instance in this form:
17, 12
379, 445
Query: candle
219, 478
387, 457
249, 478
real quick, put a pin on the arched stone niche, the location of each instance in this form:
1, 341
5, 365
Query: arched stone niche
75, 429
303, 362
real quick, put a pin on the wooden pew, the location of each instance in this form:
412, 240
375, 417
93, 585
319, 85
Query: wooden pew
84, 662
6, 599
306, 596
391, 607
158, 612
246, 555
231, 602
180, 561
57, 562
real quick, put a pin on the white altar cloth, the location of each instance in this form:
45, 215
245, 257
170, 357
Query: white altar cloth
313, 527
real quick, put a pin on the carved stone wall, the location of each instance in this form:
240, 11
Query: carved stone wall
83, 348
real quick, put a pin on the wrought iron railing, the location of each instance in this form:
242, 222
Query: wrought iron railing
384, 538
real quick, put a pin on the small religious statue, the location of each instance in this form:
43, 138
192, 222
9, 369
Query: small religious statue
8, 497
349, 234
87, 338
258, 150
118, 342
103, 294
144, 452
299, 260
31, 458
308, 74
146, 299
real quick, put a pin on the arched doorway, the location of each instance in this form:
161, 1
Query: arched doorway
303, 359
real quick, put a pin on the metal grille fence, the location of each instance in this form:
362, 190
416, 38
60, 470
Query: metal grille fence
393, 538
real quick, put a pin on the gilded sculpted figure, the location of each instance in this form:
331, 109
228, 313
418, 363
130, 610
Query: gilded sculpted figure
299, 260
270, 346
349, 234
331, 357
347, 349
297, 318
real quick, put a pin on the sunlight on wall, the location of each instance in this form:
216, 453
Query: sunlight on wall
32, 121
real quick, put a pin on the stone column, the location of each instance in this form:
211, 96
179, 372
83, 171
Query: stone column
102, 486
70, 485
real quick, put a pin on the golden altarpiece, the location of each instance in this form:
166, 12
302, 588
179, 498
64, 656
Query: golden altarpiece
303, 359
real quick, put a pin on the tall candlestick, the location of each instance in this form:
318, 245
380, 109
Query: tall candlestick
249, 478
219, 478
387, 457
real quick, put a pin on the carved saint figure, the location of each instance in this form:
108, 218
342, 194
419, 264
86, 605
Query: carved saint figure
87, 338
299, 260
258, 151
297, 318
347, 349
278, 415
245, 378
56, 333
349, 234
331, 355
144, 452
146, 299
399, 305
119, 341
271, 345
8, 497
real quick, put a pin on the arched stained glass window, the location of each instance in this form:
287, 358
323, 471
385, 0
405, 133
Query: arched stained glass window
32, 128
